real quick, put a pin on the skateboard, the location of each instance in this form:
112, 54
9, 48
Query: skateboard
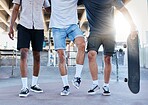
133, 64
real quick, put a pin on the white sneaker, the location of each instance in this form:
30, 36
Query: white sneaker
94, 89
106, 91
24, 92
36, 89
76, 82
65, 91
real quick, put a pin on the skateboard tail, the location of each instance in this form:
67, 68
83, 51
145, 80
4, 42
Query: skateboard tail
134, 87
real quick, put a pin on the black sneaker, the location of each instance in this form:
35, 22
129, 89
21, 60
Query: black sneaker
94, 89
76, 82
106, 91
24, 92
65, 91
36, 89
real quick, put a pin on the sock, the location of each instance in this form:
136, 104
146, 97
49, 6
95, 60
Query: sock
95, 82
24, 82
34, 80
65, 80
106, 84
78, 70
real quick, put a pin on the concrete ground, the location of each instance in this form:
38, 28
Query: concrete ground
50, 81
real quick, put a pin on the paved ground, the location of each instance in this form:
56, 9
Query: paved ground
50, 81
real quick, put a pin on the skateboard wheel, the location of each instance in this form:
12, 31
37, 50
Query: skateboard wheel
125, 79
124, 46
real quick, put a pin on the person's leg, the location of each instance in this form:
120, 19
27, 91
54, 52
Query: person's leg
37, 37
93, 45
107, 69
36, 69
23, 41
23, 66
107, 72
76, 35
62, 66
109, 45
80, 43
59, 36
63, 72
36, 63
93, 67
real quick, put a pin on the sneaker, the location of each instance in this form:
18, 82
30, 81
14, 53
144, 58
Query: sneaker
65, 91
106, 91
76, 82
36, 89
24, 92
94, 89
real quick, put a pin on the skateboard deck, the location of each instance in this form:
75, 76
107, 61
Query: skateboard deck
133, 64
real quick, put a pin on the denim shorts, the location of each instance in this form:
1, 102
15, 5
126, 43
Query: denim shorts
60, 35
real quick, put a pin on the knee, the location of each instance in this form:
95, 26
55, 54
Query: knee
92, 55
61, 56
107, 59
81, 45
24, 53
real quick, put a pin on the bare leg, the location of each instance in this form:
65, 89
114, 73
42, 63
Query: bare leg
23, 62
23, 68
36, 70
36, 66
62, 62
80, 43
107, 69
93, 67
93, 64
63, 68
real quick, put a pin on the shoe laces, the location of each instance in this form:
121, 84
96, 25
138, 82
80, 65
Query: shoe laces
78, 80
65, 88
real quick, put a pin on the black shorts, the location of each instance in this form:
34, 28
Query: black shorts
108, 42
25, 36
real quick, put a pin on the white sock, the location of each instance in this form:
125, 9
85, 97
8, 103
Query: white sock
24, 82
65, 80
106, 84
78, 70
34, 80
95, 82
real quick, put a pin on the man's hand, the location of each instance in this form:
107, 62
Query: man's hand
11, 33
14, 15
